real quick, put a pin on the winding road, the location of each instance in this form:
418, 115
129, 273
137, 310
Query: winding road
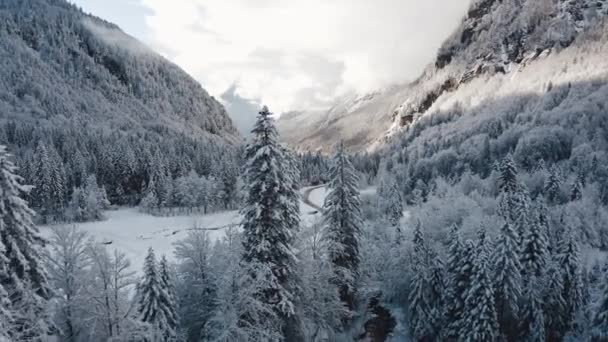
306, 197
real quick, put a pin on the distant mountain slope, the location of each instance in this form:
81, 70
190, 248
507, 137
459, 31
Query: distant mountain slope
59, 65
495, 38
357, 119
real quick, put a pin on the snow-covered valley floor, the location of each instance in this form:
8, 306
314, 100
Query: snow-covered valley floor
133, 232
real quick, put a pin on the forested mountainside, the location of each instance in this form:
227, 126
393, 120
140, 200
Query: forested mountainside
78, 97
496, 38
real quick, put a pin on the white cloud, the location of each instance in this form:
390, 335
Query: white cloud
300, 54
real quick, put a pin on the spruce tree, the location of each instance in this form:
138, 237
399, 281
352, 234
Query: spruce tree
599, 326
454, 288
270, 221
507, 280
572, 277
533, 317
553, 302
480, 322
427, 286
342, 216
153, 301
576, 190
23, 275
553, 185
169, 299
535, 245
507, 179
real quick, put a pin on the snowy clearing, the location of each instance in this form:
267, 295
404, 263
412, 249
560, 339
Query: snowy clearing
133, 232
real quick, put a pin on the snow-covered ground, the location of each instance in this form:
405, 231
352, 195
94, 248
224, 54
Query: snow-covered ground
133, 232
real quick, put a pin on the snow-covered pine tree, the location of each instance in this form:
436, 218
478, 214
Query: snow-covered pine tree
454, 288
342, 216
554, 302
169, 299
507, 280
479, 321
535, 245
270, 220
49, 183
599, 326
533, 317
553, 185
507, 179
576, 189
391, 203
570, 263
24, 277
420, 310
153, 300
6, 316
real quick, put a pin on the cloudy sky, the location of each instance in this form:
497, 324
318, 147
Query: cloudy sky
290, 54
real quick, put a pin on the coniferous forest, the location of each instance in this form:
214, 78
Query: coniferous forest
131, 210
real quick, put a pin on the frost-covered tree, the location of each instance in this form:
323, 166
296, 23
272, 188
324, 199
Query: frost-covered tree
109, 294
169, 300
68, 264
507, 280
480, 322
535, 245
196, 283
533, 317
270, 220
455, 287
49, 183
599, 326
572, 277
23, 276
553, 185
390, 201
508, 175
553, 302
342, 215
154, 305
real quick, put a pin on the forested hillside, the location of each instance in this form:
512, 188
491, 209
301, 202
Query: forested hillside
79, 97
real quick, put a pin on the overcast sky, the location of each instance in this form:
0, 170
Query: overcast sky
289, 54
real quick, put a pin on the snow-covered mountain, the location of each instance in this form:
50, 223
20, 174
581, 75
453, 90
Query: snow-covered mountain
60, 66
496, 40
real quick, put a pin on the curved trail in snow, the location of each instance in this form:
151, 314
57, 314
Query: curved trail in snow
306, 197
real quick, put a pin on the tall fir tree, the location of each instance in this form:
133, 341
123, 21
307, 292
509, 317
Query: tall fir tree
599, 326
554, 302
270, 221
570, 264
342, 217
480, 322
535, 245
170, 300
507, 280
553, 185
153, 301
23, 275
454, 288
533, 317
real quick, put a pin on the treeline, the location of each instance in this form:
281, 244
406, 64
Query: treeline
125, 168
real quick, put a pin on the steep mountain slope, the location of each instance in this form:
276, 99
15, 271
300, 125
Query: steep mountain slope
79, 97
357, 119
495, 38
59, 65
